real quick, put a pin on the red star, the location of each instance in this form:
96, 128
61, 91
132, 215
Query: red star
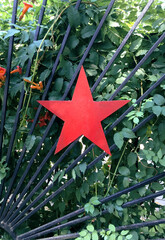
82, 116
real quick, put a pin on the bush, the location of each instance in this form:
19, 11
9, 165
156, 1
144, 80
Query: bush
139, 155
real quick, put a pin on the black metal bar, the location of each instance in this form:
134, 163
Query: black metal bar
126, 227
103, 154
7, 82
65, 94
8, 230
51, 196
143, 199
125, 113
23, 92
126, 80
20, 105
98, 158
122, 44
51, 185
50, 124
88, 217
80, 211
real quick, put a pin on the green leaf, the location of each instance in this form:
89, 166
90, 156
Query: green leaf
160, 154
89, 208
30, 140
48, 43
73, 174
141, 52
59, 84
152, 78
38, 43
110, 207
113, 236
25, 36
163, 110
56, 176
62, 173
91, 72
156, 110
148, 104
118, 139
119, 202
73, 42
129, 237
120, 238
88, 236
135, 235
124, 171
159, 99
136, 120
127, 133
95, 235
90, 228
31, 50
87, 31
111, 227
162, 161
73, 16
132, 158
124, 232
16, 88
142, 191
162, 28
11, 32
135, 45
44, 74
83, 167
126, 182
83, 233
120, 80
114, 24
94, 201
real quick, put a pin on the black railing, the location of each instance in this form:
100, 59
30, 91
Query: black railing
17, 207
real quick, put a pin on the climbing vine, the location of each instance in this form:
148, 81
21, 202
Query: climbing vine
138, 155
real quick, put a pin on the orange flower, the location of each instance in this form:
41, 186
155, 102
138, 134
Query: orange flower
2, 71
2, 77
19, 70
26, 7
35, 85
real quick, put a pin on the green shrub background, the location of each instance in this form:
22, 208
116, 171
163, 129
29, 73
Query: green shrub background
140, 156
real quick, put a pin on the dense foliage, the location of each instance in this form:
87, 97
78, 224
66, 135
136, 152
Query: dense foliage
138, 156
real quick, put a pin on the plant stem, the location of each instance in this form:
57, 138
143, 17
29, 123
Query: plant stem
114, 175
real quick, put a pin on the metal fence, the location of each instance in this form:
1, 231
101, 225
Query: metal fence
16, 205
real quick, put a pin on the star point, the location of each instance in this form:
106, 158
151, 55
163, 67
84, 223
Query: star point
82, 115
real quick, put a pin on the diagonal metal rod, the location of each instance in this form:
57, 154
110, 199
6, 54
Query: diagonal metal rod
82, 210
126, 227
143, 199
21, 101
57, 192
22, 93
45, 134
9, 59
65, 94
90, 164
109, 64
98, 158
88, 217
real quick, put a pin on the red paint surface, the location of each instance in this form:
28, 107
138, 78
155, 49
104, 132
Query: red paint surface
82, 115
